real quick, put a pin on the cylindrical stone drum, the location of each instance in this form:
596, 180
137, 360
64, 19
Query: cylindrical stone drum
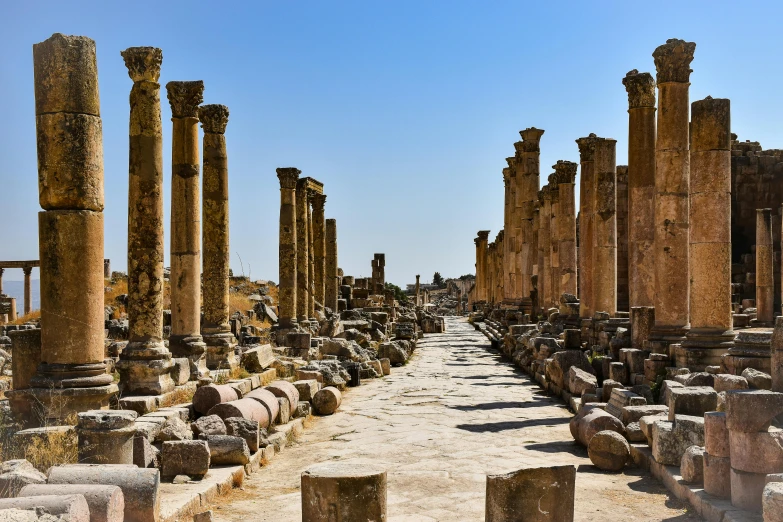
246, 408
206, 397
287, 390
345, 492
268, 400
106, 503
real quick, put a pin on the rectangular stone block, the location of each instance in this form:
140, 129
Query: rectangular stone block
692, 400
307, 389
752, 410
717, 479
547, 490
671, 439
26, 347
634, 413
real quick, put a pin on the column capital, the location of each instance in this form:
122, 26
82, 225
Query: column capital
27, 270
288, 177
500, 236
518, 149
318, 200
512, 163
214, 118
587, 147
565, 172
143, 63
640, 88
483, 235
506, 176
673, 60
531, 138
185, 97
545, 195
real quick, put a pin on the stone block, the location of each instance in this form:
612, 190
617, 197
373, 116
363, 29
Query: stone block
208, 425
757, 379
717, 479
26, 347
106, 503
180, 372
700, 379
385, 366
340, 491
666, 388
608, 386
562, 361
691, 400
246, 429
752, 410
671, 439
692, 465
72, 508
760, 452
247, 408
145, 455
747, 489
257, 358
305, 375
227, 449
579, 381
633, 359
15, 475
547, 490
716, 436
634, 413
204, 516
590, 421
185, 457
646, 424
618, 372
283, 411
727, 382
106, 436
307, 389
772, 502
269, 401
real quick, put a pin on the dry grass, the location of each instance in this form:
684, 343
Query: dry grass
50, 450
180, 395
110, 298
32, 316
239, 303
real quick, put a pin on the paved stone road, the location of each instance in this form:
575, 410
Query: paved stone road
439, 425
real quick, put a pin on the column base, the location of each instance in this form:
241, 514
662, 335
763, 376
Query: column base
220, 351
87, 375
703, 347
661, 337
752, 349
145, 368
195, 349
52, 406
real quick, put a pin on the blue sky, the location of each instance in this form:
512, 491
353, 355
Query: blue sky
405, 110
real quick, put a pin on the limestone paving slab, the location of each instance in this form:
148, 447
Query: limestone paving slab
455, 413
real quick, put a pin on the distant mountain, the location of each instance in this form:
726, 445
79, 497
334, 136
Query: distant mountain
16, 289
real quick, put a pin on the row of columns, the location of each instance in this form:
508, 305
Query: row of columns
28, 295
308, 250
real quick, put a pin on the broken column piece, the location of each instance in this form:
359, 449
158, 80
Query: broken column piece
548, 492
346, 492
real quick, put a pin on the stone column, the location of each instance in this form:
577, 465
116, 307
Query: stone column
319, 248
418, 278
765, 286
586, 225
216, 328
185, 339
482, 282
621, 188
641, 188
145, 363
566, 177
554, 242
528, 164
672, 173
605, 231
515, 232
72, 375
331, 275
533, 246
378, 275
28, 295
302, 254
509, 267
711, 334
310, 256
287, 298
1, 281
544, 247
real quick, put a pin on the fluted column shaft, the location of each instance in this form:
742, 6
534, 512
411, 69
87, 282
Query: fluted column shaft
216, 328
605, 233
185, 339
302, 251
331, 276
672, 174
641, 188
138, 374
287, 251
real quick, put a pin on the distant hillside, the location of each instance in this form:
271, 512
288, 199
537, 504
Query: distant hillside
16, 289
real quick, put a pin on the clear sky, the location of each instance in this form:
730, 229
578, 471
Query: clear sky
405, 110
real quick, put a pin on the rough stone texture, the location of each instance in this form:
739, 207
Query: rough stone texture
747, 489
716, 436
288, 246
210, 395
247, 408
691, 400
327, 400
307, 389
15, 475
595, 420
757, 452
772, 502
246, 429
752, 411
208, 425
543, 494
562, 362
692, 465
73, 508
757, 379
139, 486
726, 382
717, 480
185, 457
175, 429
285, 389
338, 491
580, 381
671, 439
269, 401
608, 450
228, 449
106, 503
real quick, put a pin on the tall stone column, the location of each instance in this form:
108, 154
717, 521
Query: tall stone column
288, 258
378, 274
533, 245
319, 247
331, 275
605, 223
554, 242
641, 188
145, 363
72, 375
509, 275
1, 281
765, 285
515, 233
185, 339
672, 174
418, 279
586, 225
566, 223
621, 198
711, 334
216, 328
482, 269
528, 164
28, 294
544, 247
302, 251
310, 255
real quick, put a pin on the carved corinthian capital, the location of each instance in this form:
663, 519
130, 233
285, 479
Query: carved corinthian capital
565, 172
640, 88
143, 63
288, 177
214, 118
673, 60
185, 97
